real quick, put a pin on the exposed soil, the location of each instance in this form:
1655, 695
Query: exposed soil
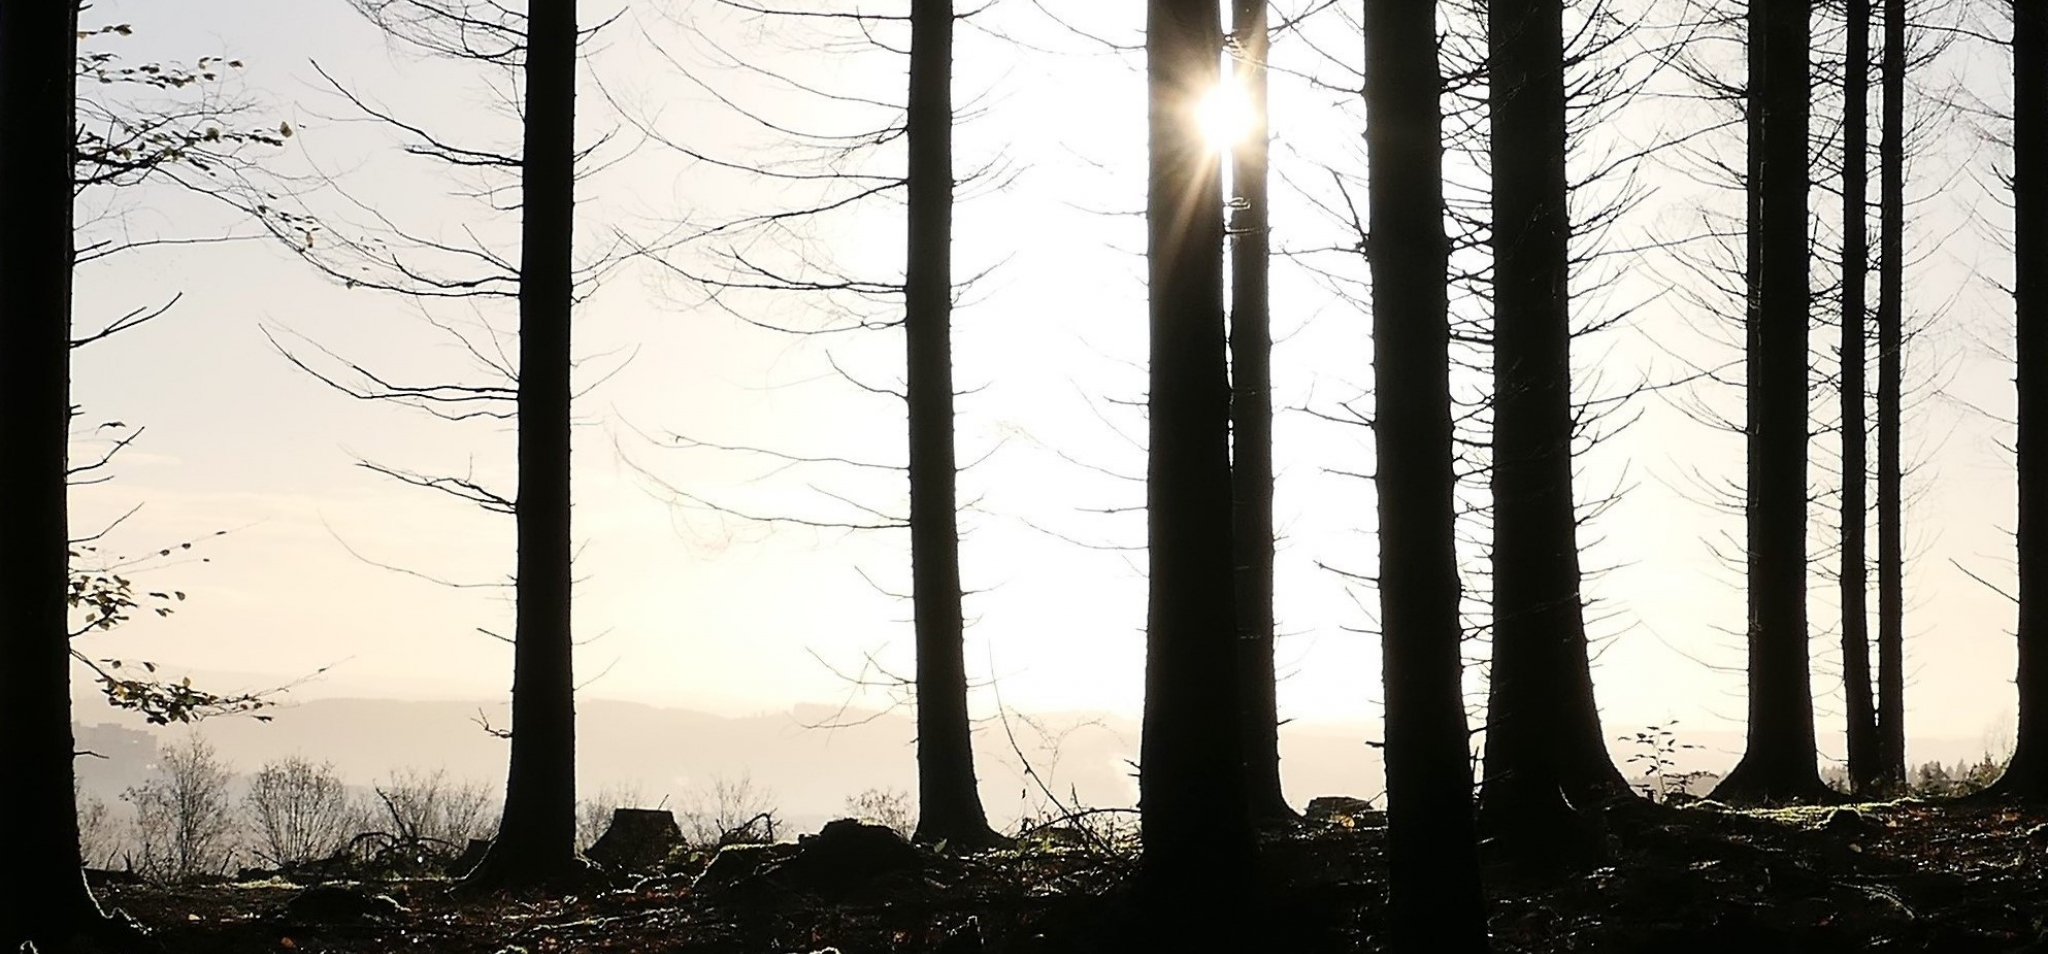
1897, 876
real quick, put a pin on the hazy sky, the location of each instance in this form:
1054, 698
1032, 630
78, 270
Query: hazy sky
682, 607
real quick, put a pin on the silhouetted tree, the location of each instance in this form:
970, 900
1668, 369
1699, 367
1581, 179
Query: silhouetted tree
184, 818
536, 839
948, 801
1434, 894
1721, 277
49, 903
2027, 774
1195, 823
1847, 411
1251, 417
299, 811
60, 145
1778, 761
1859, 712
1591, 85
1891, 294
1543, 738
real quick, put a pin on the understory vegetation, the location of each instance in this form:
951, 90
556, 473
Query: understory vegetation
1914, 874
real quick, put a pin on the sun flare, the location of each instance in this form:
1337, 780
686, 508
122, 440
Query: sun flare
1225, 115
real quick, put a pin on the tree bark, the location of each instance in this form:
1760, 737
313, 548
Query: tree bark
1194, 819
1251, 422
949, 804
1891, 292
2027, 774
1435, 902
48, 901
1778, 762
1864, 772
1542, 721
536, 841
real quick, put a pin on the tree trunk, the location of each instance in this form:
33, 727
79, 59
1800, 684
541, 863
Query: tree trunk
1864, 773
47, 901
1542, 721
536, 839
1195, 823
1435, 902
1779, 760
2027, 774
949, 804
1251, 423
1891, 293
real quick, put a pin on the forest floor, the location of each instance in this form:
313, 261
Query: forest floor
1908, 875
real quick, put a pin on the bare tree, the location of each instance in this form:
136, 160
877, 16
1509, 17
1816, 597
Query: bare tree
185, 821
300, 811
731, 810
428, 806
98, 830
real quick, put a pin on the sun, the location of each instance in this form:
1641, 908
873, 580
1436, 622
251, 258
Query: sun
1226, 116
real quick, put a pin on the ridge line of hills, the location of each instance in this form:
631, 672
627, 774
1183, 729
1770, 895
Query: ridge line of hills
663, 755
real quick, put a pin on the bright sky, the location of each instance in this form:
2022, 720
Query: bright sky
688, 609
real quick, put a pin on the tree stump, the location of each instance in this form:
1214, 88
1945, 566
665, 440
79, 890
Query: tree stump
1343, 811
638, 838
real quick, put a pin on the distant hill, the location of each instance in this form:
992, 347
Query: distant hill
808, 767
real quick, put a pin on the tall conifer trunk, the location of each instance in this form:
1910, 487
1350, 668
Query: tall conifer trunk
536, 839
1891, 292
1251, 422
46, 900
1435, 903
2027, 774
1543, 736
1194, 819
949, 804
1860, 714
1779, 761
